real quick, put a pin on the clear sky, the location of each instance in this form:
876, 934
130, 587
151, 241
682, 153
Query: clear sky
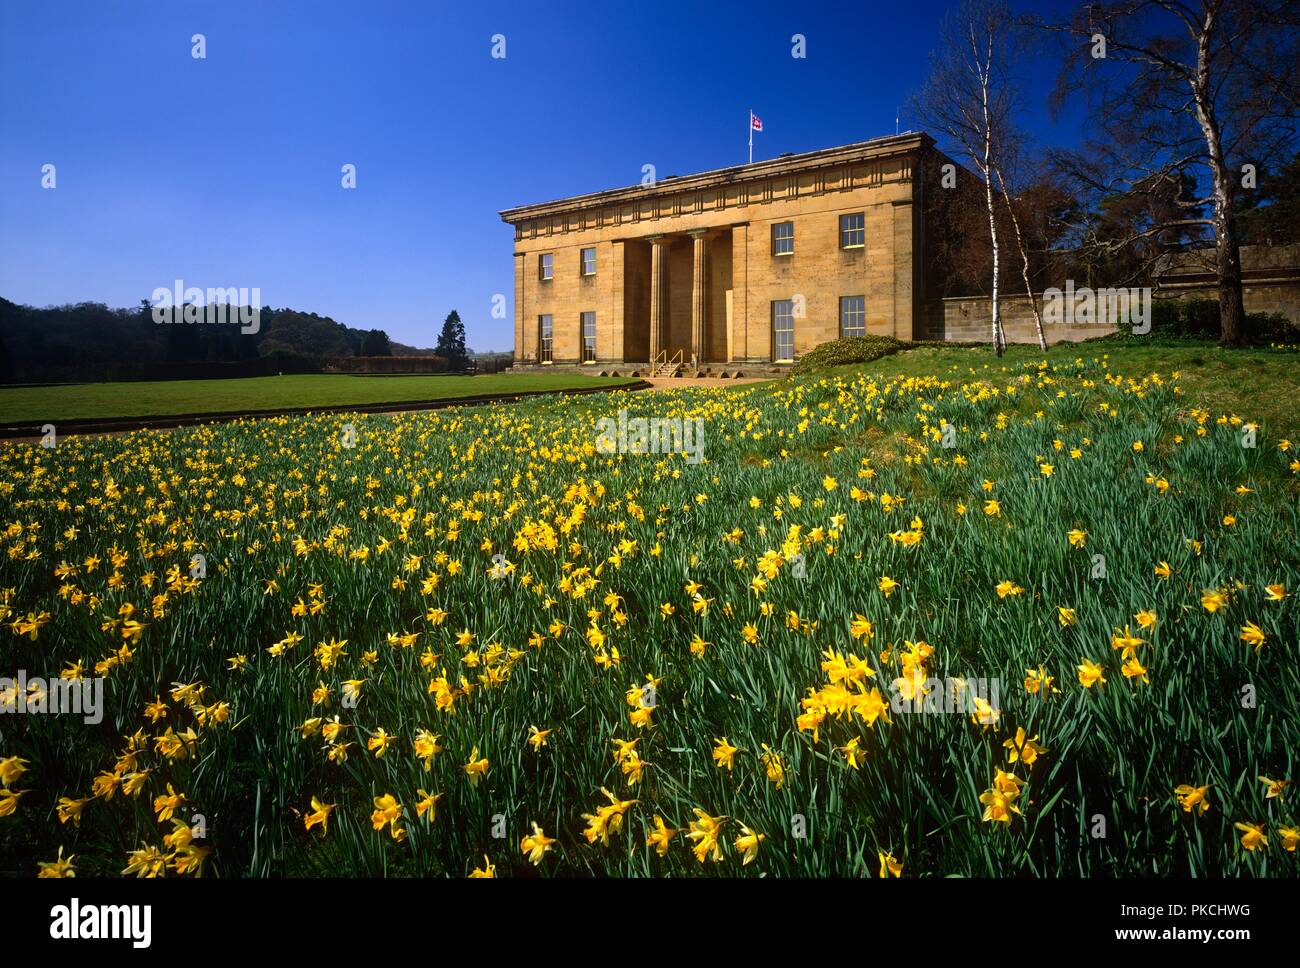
225, 171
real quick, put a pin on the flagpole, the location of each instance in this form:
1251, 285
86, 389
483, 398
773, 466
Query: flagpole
751, 137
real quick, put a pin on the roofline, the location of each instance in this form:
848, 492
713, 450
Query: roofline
860, 150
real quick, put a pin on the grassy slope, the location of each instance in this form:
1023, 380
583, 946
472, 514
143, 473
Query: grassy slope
1259, 384
88, 400
1117, 751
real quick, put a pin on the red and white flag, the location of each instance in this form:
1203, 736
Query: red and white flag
755, 122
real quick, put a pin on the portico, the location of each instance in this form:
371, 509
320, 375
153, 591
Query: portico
684, 321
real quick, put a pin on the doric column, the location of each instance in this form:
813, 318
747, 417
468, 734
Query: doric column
657, 246
738, 337
699, 307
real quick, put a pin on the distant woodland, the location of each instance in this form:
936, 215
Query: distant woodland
91, 341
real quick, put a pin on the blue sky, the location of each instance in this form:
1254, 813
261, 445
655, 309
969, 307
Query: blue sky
225, 171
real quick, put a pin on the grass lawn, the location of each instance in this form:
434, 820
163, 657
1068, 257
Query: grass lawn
90, 400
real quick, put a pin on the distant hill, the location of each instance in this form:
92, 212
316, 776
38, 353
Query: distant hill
45, 343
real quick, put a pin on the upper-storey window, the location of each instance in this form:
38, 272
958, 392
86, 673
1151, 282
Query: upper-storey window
545, 266
783, 238
589, 262
853, 231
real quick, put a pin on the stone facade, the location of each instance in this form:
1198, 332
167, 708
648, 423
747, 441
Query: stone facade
695, 268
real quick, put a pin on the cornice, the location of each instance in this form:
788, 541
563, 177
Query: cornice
677, 188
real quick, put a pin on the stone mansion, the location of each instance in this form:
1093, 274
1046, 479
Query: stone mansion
749, 265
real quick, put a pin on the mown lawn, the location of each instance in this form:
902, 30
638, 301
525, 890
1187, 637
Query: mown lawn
91, 400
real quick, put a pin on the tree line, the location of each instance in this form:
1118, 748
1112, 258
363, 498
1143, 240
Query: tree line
88, 340
1191, 146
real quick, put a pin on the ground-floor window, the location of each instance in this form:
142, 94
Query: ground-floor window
588, 337
545, 339
783, 331
853, 316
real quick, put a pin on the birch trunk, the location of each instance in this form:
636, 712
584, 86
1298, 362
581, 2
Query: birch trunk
1024, 262
985, 170
1232, 311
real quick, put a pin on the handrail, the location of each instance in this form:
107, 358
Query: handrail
662, 364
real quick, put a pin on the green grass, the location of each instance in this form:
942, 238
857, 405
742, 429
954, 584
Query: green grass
99, 534
1263, 381
92, 400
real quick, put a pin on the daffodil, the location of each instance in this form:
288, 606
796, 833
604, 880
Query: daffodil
1213, 599
747, 844
1090, 674
1023, 749
388, 812
11, 768
60, 867
724, 754
537, 737
998, 806
476, 768
1253, 635
888, 865
535, 845
660, 836
1193, 798
319, 816
773, 766
1253, 836
1273, 788
704, 830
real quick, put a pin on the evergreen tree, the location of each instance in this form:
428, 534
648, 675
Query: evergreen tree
6, 364
1270, 212
451, 342
376, 343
